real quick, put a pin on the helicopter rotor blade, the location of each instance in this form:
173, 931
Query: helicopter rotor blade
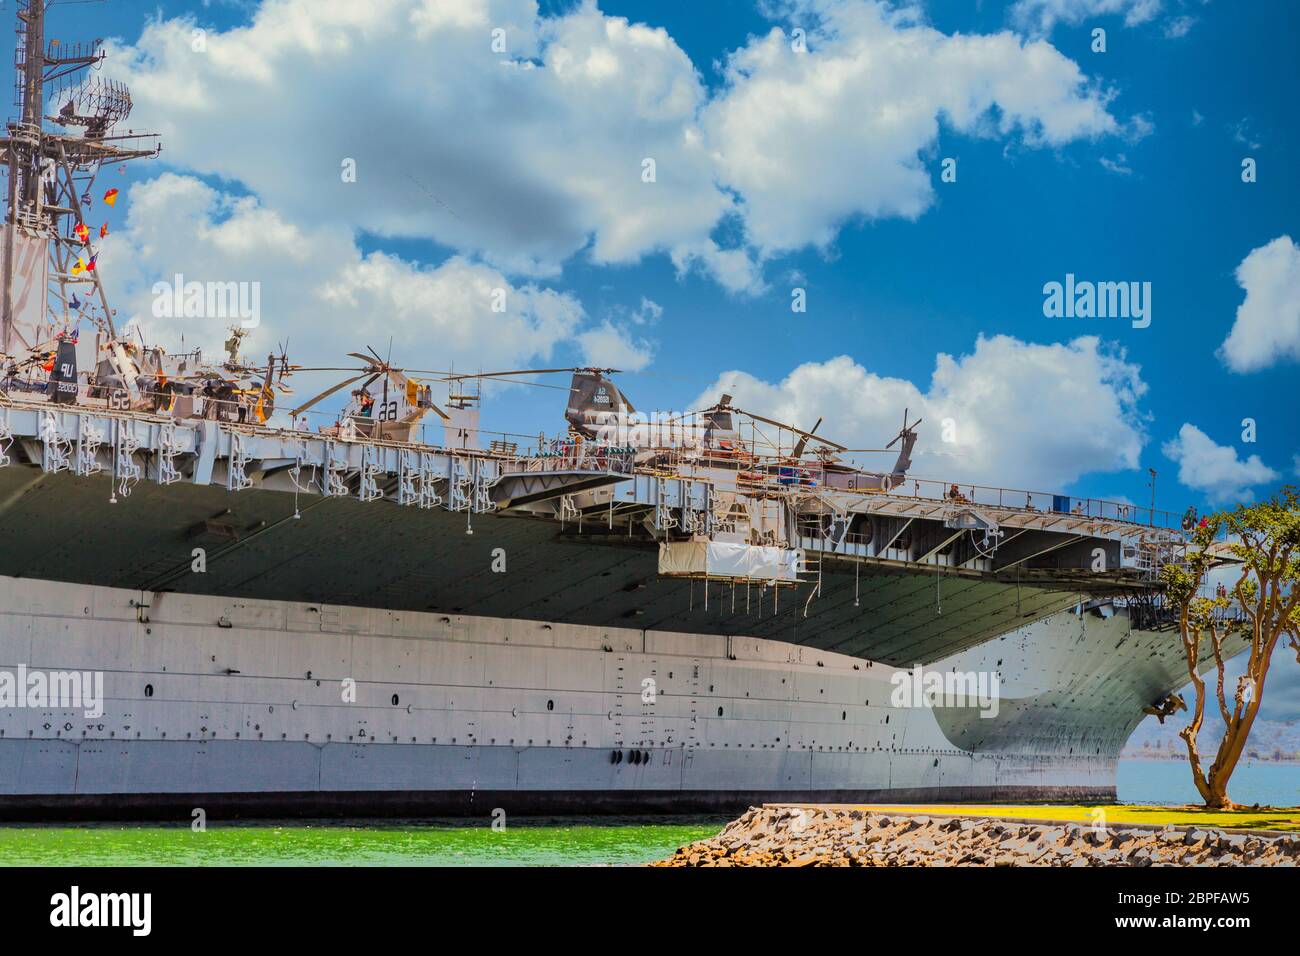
802, 443
525, 371
324, 395
798, 431
906, 428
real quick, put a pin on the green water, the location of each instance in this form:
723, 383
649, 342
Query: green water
533, 841
536, 842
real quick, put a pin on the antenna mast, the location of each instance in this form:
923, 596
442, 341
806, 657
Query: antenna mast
51, 173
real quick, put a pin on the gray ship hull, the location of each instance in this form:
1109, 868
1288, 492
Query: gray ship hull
243, 707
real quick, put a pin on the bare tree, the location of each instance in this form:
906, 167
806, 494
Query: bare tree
1262, 606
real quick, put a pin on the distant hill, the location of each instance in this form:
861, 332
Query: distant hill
1269, 739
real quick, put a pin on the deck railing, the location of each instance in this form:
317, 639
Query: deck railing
754, 473
1040, 501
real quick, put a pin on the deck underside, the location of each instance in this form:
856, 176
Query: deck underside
344, 551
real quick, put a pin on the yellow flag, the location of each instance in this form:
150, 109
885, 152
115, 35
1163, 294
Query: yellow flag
79, 266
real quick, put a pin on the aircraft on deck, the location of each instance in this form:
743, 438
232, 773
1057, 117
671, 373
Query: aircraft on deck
717, 437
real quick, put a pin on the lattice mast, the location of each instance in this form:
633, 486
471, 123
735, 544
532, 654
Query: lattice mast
52, 161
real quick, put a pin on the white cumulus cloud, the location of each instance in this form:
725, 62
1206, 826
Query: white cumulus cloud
1267, 328
1215, 469
318, 291
810, 140
538, 151
1040, 16
523, 157
610, 346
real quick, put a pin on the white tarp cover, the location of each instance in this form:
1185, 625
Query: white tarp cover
27, 291
718, 559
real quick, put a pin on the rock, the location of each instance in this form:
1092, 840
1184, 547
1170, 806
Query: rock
815, 836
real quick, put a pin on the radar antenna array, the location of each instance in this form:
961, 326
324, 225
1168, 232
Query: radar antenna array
52, 162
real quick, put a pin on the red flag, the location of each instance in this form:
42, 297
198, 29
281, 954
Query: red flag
81, 231
103, 230
90, 266
110, 197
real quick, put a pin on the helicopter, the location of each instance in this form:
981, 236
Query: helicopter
388, 404
138, 377
48, 371
598, 410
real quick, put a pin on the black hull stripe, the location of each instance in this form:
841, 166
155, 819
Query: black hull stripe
465, 803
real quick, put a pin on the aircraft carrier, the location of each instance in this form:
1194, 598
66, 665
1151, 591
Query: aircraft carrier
350, 620
449, 631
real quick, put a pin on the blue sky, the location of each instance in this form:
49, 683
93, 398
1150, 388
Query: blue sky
892, 291
1129, 171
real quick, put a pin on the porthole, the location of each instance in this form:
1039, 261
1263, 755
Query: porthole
394, 700
550, 705
148, 690
844, 715
719, 711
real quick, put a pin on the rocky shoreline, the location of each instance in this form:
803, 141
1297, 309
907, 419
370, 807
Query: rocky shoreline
834, 836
